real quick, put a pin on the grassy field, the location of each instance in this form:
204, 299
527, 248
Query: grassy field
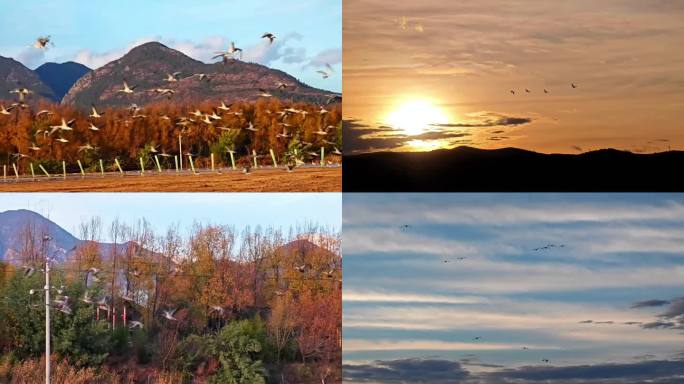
311, 179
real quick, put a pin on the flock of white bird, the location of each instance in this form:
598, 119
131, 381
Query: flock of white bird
195, 119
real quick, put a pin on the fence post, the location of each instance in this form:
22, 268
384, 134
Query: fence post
192, 164
118, 165
81, 167
44, 171
64, 169
275, 163
156, 160
232, 160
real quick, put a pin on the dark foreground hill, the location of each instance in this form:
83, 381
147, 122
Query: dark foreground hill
60, 77
511, 169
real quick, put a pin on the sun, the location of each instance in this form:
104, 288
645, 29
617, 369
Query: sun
415, 116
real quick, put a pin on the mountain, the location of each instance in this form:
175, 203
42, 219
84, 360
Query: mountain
512, 169
14, 74
147, 65
23, 229
61, 77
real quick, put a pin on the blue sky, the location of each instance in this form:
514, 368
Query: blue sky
309, 32
407, 312
278, 210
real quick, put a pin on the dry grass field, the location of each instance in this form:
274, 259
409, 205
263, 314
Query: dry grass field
311, 179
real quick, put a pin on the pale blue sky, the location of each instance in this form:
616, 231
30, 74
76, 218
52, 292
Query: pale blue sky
474, 315
309, 32
278, 210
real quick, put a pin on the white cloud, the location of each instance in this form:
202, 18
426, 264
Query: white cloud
358, 345
359, 213
352, 295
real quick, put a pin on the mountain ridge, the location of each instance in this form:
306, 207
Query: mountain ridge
511, 169
14, 74
60, 77
146, 66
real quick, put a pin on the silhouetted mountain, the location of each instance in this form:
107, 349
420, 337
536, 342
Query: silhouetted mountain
147, 66
512, 169
14, 74
22, 230
61, 77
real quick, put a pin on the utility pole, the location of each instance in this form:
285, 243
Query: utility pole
46, 239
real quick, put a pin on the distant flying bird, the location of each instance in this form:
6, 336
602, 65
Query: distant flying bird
512, 92
34, 147
28, 271
284, 134
228, 54
94, 114
280, 85
65, 126
251, 127
169, 315
86, 147
545, 91
93, 127
545, 360
548, 246
43, 112
135, 324
224, 107
271, 37
86, 298
217, 309
5, 111
42, 42
527, 90
172, 77
476, 338
126, 88
573, 85
164, 91
202, 76
323, 74
264, 93
22, 92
